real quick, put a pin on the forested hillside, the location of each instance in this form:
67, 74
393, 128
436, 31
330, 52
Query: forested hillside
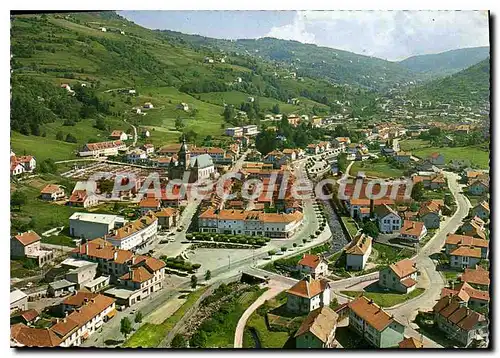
446, 63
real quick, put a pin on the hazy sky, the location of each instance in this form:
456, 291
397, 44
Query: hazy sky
392, 35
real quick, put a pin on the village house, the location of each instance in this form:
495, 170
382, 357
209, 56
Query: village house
102, 149
358, 252
136, 155
410, 343
79, 325
255, 223
425, 166
148, 105
402, 157
25, 336
18, 301
183, 106
436, 159
28, 317
136, 234
318, 329
478, 278
465, 256
149, 204
474, 298
478, 187
400, 276
482, 210
413, 230
90, 226
61, 287
118, 135
291, 154
388, 219
307, 295
456, 320
341, 142
22, 164
27, 245
374, 324
473, 227
81, 275
148, 148
80, 198
430, 213
52, 192
313, 149
168, 217
250, 130
313, 265
454, 241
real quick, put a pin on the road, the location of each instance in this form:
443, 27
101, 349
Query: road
135, 132
275, 288
406, 312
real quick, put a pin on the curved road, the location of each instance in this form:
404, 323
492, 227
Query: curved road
406, 312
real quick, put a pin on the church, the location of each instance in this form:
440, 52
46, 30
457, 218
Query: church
199, 167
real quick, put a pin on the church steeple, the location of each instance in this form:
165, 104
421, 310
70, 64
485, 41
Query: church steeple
183, 155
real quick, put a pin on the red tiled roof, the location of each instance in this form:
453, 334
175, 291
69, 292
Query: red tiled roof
310, 261
369, 311
411, 343
479, 276
308, 289
27, 238
34, 337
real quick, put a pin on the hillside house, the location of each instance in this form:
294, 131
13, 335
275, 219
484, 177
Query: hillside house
374, 324
358, 252
148, 105
52, 192
27, 245
388, 219
183, 106
22, 164
148, 148
479, 187
413, 230
400, 276
454, 318
318, 329
482, 210
118, 135
474, 298
453, 241
307, 295
313, 265
436, 159
80, 198
478, 278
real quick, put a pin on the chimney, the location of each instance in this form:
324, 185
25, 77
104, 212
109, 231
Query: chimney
66, 314
64, 320
115, 255
86, 248
371, 301
372, 206
85, 299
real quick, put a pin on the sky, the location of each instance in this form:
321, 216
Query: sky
391, 35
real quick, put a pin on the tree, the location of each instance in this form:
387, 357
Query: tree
208, 275
198, 339
60, 135
18, 198
179, 124
100, 124
342, 162
179, 341
138, 317
417, 192
276, 109
70, 138
228, 113
194, 281
371, 229
125, 326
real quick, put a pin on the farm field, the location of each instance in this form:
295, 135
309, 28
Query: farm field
379, 169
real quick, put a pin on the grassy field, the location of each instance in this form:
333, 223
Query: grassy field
257, 322
223, 335
388, 254
150, 335
386, 299
379, 169
350, 225
477, 155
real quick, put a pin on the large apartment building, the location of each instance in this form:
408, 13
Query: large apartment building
253, 223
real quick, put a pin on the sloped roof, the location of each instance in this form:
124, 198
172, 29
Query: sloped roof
34, 337
411, 343
372, 313
359, 245
320, 323
308, 287
403, 268
310, 260
27, 238
479, 276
